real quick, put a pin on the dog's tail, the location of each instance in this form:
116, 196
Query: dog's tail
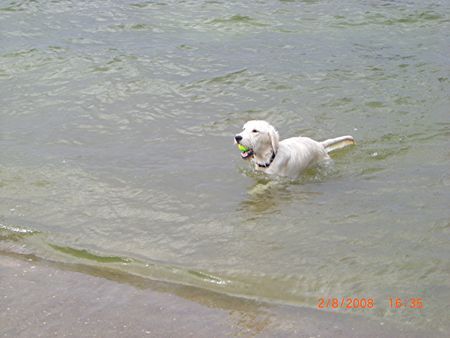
338, 143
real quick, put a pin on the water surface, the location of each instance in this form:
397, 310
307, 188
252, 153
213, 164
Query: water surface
116, 127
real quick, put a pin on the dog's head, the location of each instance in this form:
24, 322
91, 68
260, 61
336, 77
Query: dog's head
259, 137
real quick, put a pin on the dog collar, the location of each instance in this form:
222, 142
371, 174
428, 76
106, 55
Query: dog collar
266, 165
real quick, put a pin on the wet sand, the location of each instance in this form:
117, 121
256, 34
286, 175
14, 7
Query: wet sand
42, 299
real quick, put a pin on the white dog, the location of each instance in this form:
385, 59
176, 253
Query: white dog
259, 141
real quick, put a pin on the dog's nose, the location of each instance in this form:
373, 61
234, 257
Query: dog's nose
238, 138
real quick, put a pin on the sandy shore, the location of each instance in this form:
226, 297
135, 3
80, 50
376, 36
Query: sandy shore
42, 299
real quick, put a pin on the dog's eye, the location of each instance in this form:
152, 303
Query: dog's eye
255, 131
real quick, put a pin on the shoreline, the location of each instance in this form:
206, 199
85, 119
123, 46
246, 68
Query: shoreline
42, 298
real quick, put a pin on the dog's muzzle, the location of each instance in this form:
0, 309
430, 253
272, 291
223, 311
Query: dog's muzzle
245, 152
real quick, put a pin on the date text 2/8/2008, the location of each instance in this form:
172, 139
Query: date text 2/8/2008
346, 303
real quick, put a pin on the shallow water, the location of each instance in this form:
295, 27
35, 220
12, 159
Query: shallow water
116, 135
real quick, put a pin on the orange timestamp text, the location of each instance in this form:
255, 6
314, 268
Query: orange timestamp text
410, 303
346, 303
368, 303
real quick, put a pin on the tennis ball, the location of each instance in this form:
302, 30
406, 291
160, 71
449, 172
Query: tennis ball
242, 148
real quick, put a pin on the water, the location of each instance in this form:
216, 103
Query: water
116, 127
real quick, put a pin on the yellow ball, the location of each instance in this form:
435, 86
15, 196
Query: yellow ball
242, 148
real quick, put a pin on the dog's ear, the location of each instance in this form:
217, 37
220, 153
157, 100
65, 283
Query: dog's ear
274, 138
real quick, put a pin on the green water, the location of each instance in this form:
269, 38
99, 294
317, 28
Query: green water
116, 134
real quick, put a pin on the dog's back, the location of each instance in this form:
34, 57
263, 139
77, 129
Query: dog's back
296, 154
